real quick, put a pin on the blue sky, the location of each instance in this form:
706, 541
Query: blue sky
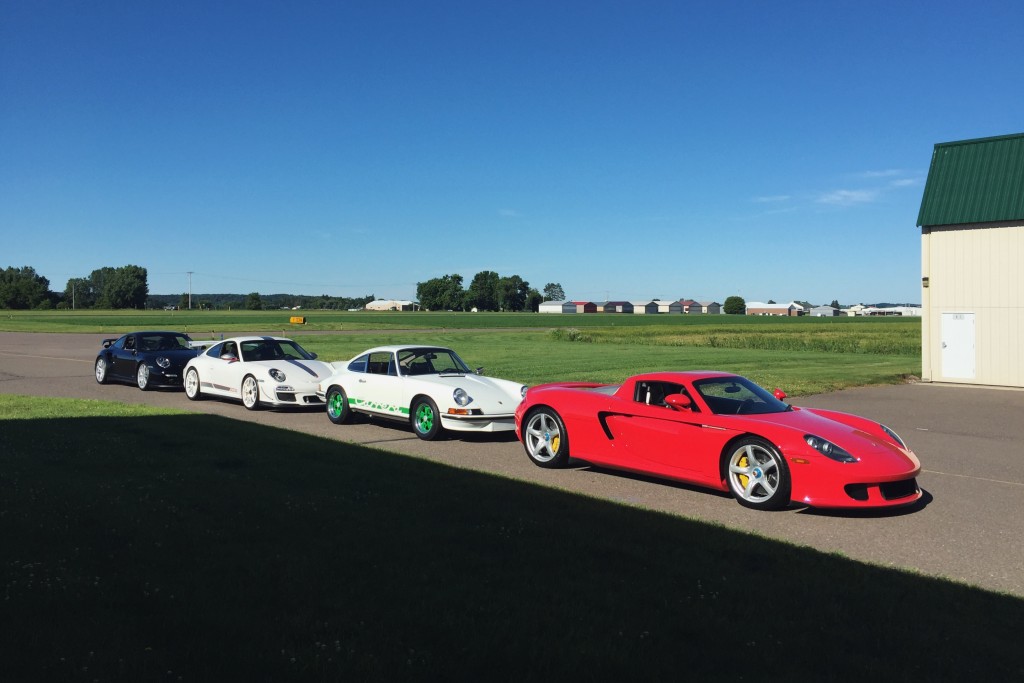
625, 149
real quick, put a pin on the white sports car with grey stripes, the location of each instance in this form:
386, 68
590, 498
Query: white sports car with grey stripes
257, 371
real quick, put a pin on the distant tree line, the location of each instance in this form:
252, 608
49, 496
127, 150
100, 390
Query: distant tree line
488, 291
128, 287
254, 301
124, 287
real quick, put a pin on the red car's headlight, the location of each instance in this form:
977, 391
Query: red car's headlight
828, 449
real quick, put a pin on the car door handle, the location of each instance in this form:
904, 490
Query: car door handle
362, 381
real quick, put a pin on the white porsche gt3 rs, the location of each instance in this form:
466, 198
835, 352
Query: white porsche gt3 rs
428, 386
256, 370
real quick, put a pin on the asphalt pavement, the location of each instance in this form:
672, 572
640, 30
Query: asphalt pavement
970, 441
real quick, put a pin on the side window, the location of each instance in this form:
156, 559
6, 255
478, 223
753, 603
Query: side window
654, 393
216, 350
129, 343
381, 363
359, 364
119, 344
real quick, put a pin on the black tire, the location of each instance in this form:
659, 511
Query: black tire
193, 389
545, 438
142, 377
338, 411
250, 393
101, 369
426, 421
757, 474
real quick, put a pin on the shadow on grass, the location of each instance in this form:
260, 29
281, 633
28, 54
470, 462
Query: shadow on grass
205, 548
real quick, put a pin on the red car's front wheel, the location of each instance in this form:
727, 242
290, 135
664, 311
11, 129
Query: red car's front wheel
758, 475
545, 438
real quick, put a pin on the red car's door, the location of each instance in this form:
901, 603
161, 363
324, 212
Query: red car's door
652, 437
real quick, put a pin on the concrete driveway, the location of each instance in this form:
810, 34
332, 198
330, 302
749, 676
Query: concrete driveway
970, 442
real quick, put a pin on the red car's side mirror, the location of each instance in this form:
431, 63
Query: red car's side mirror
679, 401
780, 394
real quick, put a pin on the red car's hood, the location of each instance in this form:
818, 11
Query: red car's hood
859, 436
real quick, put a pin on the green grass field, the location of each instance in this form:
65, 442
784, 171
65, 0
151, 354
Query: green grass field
800, 355
143, 544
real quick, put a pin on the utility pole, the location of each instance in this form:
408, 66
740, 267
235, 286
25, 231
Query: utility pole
190, 289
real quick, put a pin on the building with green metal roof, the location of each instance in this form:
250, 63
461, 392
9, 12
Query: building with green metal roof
972, 252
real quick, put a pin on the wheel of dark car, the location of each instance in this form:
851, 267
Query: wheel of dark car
250, 393
192, 390
337, 406
142, 376
757, 474
426, 421
101, 370
545, 438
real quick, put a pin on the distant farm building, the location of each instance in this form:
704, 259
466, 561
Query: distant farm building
617, 307
670, 307
585, 306
691, 306
712, 307
391, 305
972, 284
557, 307
824, 312
645, 307
759, 308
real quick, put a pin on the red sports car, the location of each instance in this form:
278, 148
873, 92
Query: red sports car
722, 431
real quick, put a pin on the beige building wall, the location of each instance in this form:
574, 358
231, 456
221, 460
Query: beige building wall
975, 269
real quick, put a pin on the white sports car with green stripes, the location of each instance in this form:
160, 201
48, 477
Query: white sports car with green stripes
429, 387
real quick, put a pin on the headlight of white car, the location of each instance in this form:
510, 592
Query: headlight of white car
461, 397
163, 362
277, 375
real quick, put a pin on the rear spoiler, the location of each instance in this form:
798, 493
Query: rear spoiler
201, 345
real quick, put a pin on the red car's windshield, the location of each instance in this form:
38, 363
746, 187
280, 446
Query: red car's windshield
737, 396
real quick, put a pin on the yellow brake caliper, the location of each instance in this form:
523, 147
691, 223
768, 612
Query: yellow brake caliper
744, 463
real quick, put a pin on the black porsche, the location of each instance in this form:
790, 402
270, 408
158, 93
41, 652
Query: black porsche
146, 359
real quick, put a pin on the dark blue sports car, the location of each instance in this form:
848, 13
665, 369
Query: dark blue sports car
146, 359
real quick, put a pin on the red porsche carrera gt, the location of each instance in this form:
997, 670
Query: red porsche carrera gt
722, 431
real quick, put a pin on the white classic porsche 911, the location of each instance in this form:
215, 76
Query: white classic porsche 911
256, 371
428, 386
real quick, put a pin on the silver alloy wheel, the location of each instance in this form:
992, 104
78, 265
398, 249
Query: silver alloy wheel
250, 393
101, 370
543, 437
192, 384
754, 474
142, 376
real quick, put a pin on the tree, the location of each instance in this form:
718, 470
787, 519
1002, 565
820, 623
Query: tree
80, 293
553, 292
441, 293
735, 305
533, 300
22, 288
835, 303
512, 293
483, 291
124, 287
253, 302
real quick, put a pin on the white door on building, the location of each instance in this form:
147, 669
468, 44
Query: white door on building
958, 345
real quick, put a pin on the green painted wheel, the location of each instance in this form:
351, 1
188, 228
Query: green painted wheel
337, 406
426, 421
